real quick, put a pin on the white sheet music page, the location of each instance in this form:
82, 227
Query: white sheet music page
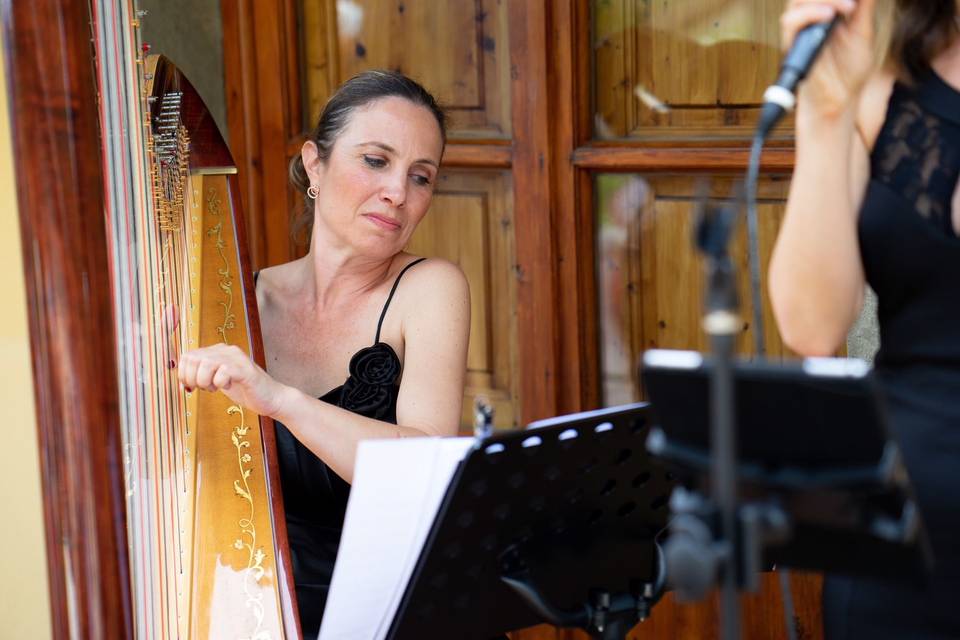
397, 489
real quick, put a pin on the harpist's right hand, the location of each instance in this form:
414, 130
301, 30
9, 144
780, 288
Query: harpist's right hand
847, 60
226, 368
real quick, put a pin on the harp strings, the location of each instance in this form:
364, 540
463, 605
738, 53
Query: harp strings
121, 131
170, 458
144, 187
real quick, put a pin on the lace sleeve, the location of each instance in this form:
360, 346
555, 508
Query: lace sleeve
914, 157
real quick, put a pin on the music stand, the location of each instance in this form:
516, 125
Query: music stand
813, 446
556, 524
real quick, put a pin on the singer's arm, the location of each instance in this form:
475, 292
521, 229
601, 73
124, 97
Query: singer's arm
816, 275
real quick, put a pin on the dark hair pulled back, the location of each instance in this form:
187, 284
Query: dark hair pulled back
921, 30
357, 92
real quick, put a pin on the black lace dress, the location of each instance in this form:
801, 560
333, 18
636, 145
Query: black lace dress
911, 256
314, 497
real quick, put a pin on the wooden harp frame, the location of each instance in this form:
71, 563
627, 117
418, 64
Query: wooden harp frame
57, 153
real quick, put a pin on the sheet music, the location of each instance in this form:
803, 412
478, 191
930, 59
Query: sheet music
397, 489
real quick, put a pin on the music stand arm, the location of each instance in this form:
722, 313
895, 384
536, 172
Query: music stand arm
534, 599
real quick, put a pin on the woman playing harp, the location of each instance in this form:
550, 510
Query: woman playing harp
362, 340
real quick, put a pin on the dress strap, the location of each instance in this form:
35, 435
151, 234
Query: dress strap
383, 313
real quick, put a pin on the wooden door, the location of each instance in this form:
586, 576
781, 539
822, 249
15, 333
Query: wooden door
655, 104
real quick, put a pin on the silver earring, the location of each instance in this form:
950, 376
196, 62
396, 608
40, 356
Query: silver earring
313, 191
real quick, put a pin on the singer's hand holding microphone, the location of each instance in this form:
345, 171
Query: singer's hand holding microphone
845, 61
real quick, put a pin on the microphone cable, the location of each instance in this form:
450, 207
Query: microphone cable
753, 258
753, 243
778, 99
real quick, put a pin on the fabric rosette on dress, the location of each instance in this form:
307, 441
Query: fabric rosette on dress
373, 372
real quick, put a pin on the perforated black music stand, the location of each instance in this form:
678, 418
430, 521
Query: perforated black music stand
568, 509
813, 445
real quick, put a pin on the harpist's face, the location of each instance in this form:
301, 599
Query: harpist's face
377, 183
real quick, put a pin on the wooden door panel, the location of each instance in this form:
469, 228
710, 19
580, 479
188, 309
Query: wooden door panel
471, 224
650, 276
458, 50
683, 69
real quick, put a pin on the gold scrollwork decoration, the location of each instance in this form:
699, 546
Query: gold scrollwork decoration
255, 555
247, 540
214, 206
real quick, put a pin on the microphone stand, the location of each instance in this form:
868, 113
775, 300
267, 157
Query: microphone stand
722, 323
714, 541
714, 538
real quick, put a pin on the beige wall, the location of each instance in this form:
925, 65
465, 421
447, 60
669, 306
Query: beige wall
24, 597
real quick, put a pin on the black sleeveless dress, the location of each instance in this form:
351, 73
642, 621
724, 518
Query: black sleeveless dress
911, 256
314, 497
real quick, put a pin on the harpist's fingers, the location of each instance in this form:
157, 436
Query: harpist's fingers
187, 370
222, 379
205, 372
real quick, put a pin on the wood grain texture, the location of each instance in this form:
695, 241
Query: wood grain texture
459, 50
571, 199
241, 96
537, 303
57, 157
681, 70
708, 158
651, 276
480, 156
264, 116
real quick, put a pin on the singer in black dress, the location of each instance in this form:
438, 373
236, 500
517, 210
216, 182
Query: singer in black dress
875, 199
367, 174
911, 256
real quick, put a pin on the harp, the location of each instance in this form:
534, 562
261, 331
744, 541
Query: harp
165, 518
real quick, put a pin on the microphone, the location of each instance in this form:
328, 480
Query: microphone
780, 97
